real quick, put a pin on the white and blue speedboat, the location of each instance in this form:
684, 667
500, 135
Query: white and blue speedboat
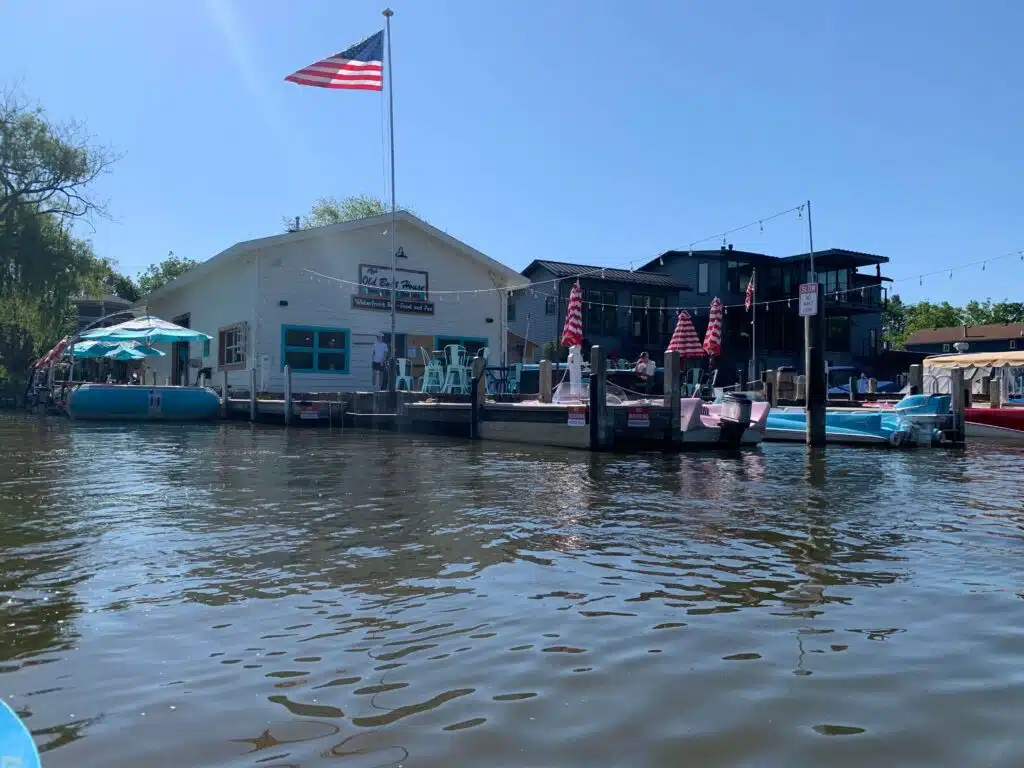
915, 420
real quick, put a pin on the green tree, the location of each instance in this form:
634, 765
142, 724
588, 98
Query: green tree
156, 275
329, 210
894, 322
46, 170
985, 312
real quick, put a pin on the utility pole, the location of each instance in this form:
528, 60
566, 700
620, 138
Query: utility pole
814, 354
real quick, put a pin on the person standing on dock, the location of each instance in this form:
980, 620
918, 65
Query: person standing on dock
380, 356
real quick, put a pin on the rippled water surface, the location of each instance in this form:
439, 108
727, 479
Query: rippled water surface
218, 595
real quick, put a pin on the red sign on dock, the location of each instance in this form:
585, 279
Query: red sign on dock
638, 417
577, 416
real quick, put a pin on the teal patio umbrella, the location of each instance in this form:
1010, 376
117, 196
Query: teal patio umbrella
146, 330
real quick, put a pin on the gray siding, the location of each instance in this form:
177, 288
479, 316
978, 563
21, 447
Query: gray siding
532, 321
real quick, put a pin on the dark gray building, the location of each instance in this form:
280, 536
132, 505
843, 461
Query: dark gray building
626, 312
853, 302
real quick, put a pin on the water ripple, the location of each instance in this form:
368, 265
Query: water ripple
222, 592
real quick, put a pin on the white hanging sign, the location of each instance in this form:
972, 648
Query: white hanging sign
808, 299
577, 416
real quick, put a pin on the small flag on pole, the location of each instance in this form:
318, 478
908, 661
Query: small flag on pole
359, 68
749, 300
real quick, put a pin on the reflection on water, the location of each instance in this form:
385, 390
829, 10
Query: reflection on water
217, 595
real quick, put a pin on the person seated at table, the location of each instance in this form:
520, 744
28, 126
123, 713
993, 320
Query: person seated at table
645, 367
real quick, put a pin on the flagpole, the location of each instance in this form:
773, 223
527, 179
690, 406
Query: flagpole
388, 13
753, 326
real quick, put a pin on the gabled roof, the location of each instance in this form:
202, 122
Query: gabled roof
565, 269
835, 257
511, 278
968, 333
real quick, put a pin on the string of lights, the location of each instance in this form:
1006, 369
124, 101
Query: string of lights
798, 209
533, 291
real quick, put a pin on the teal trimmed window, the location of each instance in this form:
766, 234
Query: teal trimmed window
311, 349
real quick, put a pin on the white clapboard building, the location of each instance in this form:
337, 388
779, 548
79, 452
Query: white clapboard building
317, 298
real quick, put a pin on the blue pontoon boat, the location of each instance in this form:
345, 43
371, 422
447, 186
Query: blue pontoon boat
915, 420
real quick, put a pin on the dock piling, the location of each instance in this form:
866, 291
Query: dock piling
853, 389
287, 394
872, 386
1004, 388
915, 378
544, 389
252, 395
801, 388
600, 429
478, 391
672, 391
959, 397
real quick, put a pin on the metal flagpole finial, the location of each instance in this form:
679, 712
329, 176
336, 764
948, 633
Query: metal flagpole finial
388, 12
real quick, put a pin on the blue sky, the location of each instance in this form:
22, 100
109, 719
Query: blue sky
599, 132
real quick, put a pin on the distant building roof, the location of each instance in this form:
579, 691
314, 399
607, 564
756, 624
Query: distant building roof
991, 332
108, 299
568, 270
840, 257
830, 257
717, 253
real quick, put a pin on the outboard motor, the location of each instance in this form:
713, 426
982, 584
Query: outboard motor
922, 418
735, 418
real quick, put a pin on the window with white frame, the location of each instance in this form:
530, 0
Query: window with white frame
1013, 344
231, 346
945, 347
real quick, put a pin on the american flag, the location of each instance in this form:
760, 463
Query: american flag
359, 68
749, 300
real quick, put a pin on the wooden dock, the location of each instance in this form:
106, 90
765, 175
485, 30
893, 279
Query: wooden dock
652, 424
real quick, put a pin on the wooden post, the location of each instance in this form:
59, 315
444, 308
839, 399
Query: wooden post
544, 377
672, 391
476, 370
223, 394
814, 368
872, 386
993, 393
600, 430
477, 392
777, 381
1004, 387
959, 403
801, 388
769, 392
287, 394
915, 378
252, 394
853, 389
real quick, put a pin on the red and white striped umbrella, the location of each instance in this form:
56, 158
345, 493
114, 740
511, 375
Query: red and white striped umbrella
684, 338
572, 333
713, 335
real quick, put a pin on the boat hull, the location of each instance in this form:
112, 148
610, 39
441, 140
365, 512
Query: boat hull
120, 402
1003, 424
